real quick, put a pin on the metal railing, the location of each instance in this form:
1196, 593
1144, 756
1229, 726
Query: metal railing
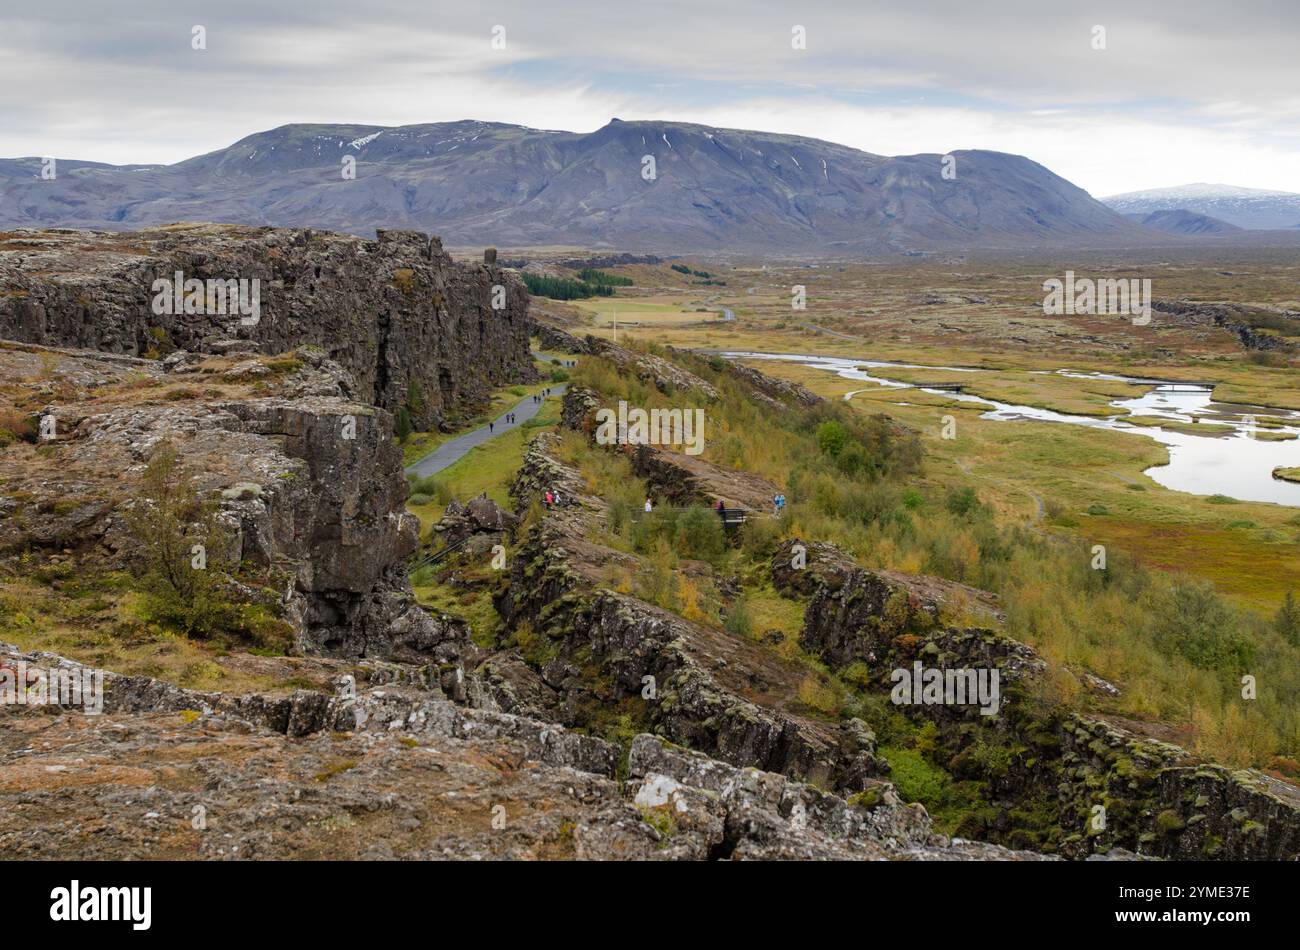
440, 555
729, 516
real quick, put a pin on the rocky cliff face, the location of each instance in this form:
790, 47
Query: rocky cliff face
598, 649
308, 482
279, 394
556, 339
1054, 781
1257, 328
1071, 784
663, 374
343, 524
412, 328
771, 391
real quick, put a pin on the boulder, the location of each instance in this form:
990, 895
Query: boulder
479, 516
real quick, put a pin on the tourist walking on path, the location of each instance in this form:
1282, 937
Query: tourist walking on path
648, 507
451, 451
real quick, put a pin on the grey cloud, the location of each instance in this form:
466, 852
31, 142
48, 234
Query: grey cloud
81, 71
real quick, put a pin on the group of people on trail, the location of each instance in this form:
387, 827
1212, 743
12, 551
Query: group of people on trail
778, 505
778, 502
552, 498
508, 418
538, 397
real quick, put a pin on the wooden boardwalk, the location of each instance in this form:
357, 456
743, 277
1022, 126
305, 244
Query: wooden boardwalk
942, 387
1184, 386
731, 517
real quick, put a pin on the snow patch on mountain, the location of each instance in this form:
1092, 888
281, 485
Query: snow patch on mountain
364, 140
1252, 208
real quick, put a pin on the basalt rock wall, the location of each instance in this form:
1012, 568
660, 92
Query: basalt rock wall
1061, 782
413, 328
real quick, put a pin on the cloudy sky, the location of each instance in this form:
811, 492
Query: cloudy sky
1184, 91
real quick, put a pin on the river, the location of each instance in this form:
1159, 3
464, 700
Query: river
1236, 464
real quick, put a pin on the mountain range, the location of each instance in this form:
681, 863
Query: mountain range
1180, 221
631, 185
646, 185
1249, 208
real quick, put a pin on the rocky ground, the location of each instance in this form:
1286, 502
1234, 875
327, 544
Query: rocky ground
398, 771
414, 743
308, 481
594, 724
736, 701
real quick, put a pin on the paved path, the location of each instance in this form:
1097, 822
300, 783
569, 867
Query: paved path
453, 450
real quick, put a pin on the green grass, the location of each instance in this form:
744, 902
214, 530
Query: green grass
1073, 469
472, 604
916, 779
769, 611
605, 310
489, 467
420, 444
1080, 397
1044, 496
1206, 429
96, 620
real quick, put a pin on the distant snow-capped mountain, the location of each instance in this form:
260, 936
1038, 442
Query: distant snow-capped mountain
1251, 208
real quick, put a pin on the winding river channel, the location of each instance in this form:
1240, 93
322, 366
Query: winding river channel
1237, 463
